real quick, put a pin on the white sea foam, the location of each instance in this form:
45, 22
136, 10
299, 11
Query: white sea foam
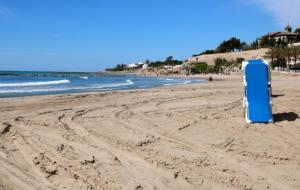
94, 87
177, 83
172, 84
34, 83
33, 90
85, 78
187, 82
128, 82
164, 78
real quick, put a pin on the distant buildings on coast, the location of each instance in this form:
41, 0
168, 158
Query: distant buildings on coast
272, 39
135, 65
287, 36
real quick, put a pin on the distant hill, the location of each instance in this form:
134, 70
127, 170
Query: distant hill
231, 56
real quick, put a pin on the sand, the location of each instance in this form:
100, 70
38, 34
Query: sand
179, 137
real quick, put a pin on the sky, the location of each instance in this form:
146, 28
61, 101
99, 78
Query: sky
91, 35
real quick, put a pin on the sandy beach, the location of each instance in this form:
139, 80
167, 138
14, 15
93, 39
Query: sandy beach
178, 137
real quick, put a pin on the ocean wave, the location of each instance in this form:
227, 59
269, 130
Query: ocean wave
112, 85
44, 90
34, 90
94, 87
34, 83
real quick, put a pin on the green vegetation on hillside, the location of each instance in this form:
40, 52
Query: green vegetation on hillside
231, 45
279, 53
119, 67
221, 66
155, 64
169, 61
199, 68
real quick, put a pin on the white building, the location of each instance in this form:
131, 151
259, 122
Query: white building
145, 66
133, 65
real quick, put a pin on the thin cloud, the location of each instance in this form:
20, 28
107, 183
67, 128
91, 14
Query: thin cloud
284, 12
5, 11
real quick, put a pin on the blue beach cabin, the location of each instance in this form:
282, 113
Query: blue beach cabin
257, 102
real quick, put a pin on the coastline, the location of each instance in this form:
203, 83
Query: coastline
51, 83
177, 137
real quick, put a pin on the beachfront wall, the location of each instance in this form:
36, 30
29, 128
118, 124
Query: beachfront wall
232, 56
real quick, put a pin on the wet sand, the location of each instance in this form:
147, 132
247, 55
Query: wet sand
179, 137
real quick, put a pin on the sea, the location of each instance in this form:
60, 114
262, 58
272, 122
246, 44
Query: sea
19, 84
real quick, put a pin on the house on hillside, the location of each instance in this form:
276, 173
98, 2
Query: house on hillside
287, 36
132, 65
135, 65
145, 66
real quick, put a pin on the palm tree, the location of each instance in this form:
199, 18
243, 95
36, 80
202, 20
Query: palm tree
271, 54
287, 55
280, 57
295, 53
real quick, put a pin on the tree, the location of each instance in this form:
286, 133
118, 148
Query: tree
120, 67
287, 54
239, 60
295, 53
222, 48
298, 32
279, 56
253, 45
219, 64
230, 45
207, 52
170, 61
244, 45
266, 42
156, 64
170, 58
271, 54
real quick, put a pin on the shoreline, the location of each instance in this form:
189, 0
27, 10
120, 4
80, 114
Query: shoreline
112, 90
216, 78
99, 92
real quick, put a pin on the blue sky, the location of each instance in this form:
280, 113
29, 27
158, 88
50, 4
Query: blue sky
90, 35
